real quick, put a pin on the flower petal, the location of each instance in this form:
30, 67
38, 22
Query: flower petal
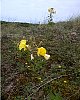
41, 51
32, 57
46, 56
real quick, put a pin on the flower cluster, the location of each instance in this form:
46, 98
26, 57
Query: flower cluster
41, 51
51, 10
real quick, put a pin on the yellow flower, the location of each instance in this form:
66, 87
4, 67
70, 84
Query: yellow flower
65, 81
46, 56
59, 66
41, 51
23, 42
39, 78
22, 45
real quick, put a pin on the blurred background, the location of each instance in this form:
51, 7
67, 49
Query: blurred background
37, 11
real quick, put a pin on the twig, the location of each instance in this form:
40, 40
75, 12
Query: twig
45, 84
51, 78
50, 81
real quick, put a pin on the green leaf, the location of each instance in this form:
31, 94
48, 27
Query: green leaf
55, 96
29, 98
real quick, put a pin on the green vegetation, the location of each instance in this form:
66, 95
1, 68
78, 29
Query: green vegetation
55, 79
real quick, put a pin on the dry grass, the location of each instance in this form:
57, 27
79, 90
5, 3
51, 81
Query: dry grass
62, 41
